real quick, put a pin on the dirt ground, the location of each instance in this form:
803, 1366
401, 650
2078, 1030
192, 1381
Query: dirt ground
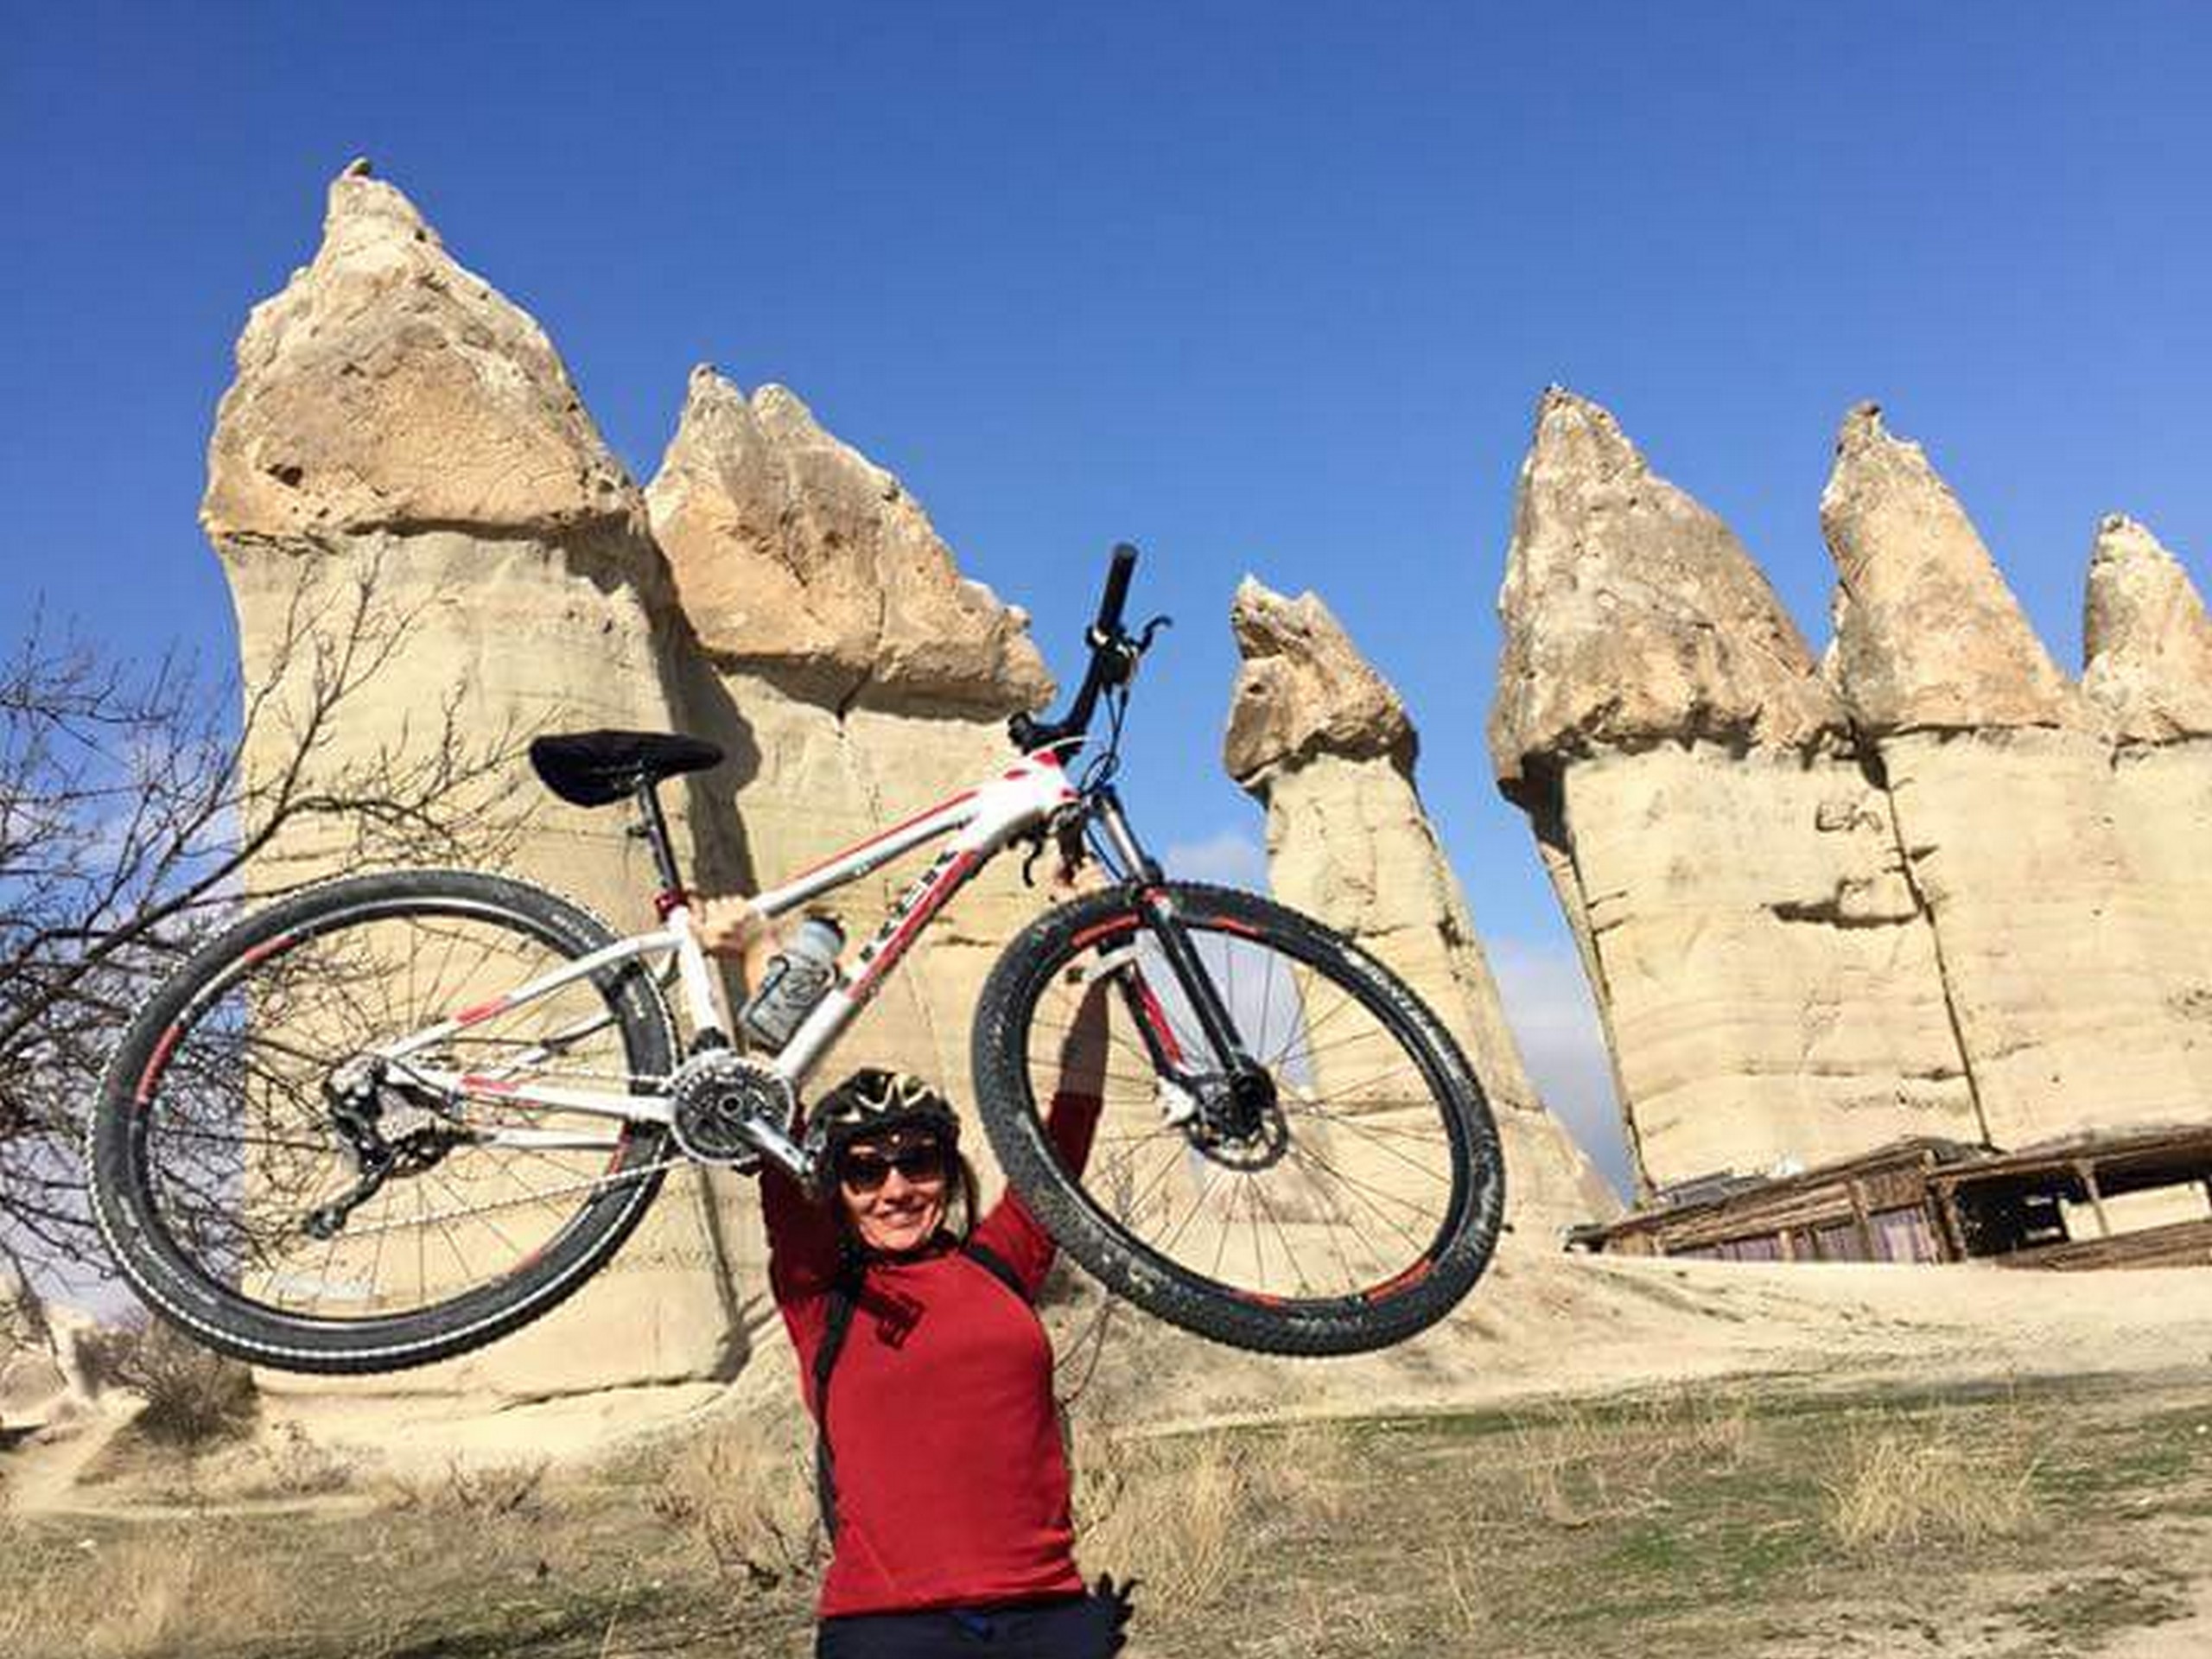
1593, 1458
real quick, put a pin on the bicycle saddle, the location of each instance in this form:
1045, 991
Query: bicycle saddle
599, 768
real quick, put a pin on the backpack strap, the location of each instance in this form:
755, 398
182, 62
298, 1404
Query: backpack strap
844, 1302
844, 1295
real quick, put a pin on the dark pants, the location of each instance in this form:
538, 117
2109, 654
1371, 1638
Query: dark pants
1081, 1627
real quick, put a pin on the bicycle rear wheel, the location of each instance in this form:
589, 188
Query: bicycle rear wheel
228, 1177
1356, 1210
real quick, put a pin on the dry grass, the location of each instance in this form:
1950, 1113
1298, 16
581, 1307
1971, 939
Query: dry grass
1905, 1482
291, 1462
1582, 1467
1184, 1514
475, 1491
136, 1597
195, 1398
744, 1494
1164, 1513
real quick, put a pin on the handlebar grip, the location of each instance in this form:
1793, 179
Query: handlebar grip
1117, 588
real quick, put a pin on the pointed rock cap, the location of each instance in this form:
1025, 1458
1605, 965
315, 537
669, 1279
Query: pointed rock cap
1304, 690
1632, 615
796, 558
1931, 638
2147, 643
387, 388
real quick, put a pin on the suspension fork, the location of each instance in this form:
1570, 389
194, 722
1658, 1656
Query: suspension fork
1249, 1086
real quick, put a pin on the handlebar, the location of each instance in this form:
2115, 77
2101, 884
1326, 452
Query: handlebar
1113, 657
1118, 572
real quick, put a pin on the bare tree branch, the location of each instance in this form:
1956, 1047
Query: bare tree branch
142, 809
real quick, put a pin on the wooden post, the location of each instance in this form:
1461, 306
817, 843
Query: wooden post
1866, 1250
2082, 1167
1953, 1230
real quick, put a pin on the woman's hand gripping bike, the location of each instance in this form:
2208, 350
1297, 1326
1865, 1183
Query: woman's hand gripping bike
396, 1116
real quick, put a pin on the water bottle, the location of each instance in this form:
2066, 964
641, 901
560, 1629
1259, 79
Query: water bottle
798, 976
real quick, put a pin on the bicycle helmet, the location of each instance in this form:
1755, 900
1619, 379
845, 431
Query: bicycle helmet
874, 1100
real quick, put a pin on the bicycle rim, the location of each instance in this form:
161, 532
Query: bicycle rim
234, 1148
1345, 1199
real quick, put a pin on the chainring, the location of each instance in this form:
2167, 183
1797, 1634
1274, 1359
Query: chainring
714, 1096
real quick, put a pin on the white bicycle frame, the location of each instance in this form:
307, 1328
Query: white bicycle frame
982, 820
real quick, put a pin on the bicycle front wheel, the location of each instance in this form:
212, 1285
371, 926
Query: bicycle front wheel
246, 1110
1355, 1210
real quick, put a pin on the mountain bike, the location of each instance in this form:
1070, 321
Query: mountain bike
396, 1116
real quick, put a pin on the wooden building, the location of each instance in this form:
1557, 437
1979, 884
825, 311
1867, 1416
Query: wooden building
2136, 1200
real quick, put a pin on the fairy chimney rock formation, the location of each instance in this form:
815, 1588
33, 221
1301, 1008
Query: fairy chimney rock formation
800, 561
1930, 637
2148, 648
1324, 742
2147, 641
1769, 987
388, 388
1303, 690
2059, 961
1633, 615
399, 428
858, 676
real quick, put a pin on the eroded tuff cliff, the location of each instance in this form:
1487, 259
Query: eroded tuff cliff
1769, 984
1324, 742
857, 676
1931, 887
2147, 652
399, 428
2060, 960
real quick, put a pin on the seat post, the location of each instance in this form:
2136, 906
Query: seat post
652, 829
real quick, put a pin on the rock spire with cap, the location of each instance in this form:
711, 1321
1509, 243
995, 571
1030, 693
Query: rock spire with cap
1321, 739
389, 388
1930, 637
1304, 690
799, 559
1632, 615
2146, 641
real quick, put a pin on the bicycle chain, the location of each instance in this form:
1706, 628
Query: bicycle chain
631, 1176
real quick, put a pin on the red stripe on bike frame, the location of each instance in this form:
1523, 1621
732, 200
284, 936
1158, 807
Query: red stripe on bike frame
862, 846
1405, 1281
926, 906
480, 1012
1156, 1017
1098, 930
155, 1066
489, 1085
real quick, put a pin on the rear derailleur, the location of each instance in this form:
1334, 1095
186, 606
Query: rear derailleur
389, 1128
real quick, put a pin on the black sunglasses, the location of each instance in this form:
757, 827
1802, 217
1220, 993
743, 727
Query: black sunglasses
864, 1172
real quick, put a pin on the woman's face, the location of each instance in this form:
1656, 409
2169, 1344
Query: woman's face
893, 1186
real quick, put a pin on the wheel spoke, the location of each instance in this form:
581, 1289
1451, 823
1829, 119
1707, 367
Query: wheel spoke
1356, 1176
243, 1140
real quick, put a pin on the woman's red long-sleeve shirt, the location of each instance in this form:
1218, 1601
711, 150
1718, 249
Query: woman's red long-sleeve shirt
951, 1489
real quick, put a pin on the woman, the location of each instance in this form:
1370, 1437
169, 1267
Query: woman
929, 1377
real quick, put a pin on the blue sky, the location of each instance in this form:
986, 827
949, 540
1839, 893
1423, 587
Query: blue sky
1260, 287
